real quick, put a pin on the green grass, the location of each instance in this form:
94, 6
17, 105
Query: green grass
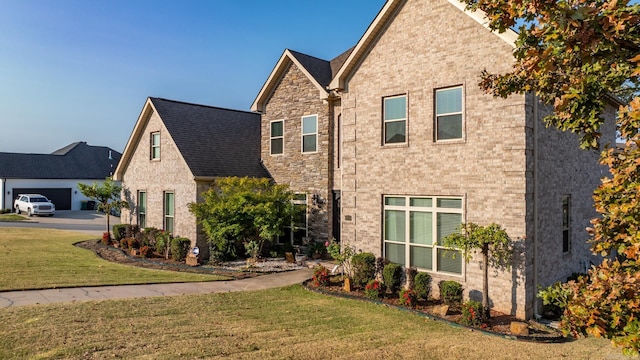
45, 258
12, 217
285, 323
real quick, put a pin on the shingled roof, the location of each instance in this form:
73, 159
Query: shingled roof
74, 161
214, 142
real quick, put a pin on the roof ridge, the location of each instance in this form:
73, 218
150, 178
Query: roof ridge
311, 56
201, 105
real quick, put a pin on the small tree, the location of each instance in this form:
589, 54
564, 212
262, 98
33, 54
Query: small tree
240, 210
493, 243
106, 195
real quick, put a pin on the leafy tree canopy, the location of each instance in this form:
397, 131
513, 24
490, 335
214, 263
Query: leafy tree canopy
106, 195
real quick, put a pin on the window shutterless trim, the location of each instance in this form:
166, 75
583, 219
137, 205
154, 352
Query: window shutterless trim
386, 121
154, 146
437, 115
276, 137
313, 134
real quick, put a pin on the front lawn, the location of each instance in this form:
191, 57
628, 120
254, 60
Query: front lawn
285, 323
44, 258
12, 217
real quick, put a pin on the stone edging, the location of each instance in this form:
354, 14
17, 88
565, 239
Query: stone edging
536, 339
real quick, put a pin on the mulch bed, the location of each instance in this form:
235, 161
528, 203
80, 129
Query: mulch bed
498, 324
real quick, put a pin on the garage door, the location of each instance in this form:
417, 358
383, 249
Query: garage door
59, 196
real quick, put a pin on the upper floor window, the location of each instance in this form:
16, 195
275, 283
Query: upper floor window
566, 223
155, 146
449, 113
277, 137
395, 119
310, 133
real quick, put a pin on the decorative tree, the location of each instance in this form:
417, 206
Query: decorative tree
106, 195
577, 55
493, 243
241, 210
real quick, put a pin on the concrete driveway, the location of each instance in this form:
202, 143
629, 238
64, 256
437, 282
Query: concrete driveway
86, 221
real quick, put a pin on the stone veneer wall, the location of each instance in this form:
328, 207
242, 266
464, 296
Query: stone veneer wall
170, 173
295, 97
430, 45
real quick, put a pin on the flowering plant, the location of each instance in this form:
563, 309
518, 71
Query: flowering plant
472, 313
106, 238
408, 298
341, 256
374, 290
320, 276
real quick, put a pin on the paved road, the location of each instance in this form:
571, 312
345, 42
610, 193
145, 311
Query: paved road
87, 221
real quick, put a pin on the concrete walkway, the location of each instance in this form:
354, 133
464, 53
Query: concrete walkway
51, 296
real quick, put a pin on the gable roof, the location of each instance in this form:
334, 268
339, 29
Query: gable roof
379, 25
319, 71
213, 142
74, 161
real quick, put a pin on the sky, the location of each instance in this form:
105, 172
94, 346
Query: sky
78, 70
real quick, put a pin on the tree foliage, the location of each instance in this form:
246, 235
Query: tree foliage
494, 245
241, 210
106, 195
575, 55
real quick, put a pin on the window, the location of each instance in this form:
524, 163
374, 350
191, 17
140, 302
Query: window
414, 228
566, 224
169, 208
339, 147
277, 137
310, 133
394, 119
155, 146
298, 230
449, 113
142, 209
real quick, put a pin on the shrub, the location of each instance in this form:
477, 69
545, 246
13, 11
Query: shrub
131, 230
320, 276
472, 313
408, 298
161, 238
180, 248
380, 264
106, 238
450, 292
145, 251
374, 290
364, 268
119, 231
129, 243
5, 211
422, 285
392, 275
316, 249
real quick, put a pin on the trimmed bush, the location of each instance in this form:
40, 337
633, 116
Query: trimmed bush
374, 290
472, 313
392, 276
408, 298
320, 276
145, 251
119, 231
450, 292
364, 268
422, 285
380, 264
131, 230
180, 248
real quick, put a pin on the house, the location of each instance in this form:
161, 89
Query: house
175, 152
55, 175
394, 144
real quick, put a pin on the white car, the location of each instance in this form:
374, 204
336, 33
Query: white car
34, 204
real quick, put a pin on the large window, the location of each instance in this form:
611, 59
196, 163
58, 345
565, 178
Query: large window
277, 137
566, 223
142, 209
169, 210
310, 133
298, 230
155, 146
394, 118
449, 113
414, 228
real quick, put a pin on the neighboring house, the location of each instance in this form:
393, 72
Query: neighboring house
55, 175
408, 146
175, 152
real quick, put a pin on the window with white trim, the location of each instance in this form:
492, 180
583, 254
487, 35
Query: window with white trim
449, 119
414, 227
566, 224
310, 133
169, 211
155, 146
277, 137
142, 209
295, 233
394, 118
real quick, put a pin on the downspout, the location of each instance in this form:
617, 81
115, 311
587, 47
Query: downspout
536, 241
4, 200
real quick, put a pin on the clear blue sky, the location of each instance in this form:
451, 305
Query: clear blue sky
80, 70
